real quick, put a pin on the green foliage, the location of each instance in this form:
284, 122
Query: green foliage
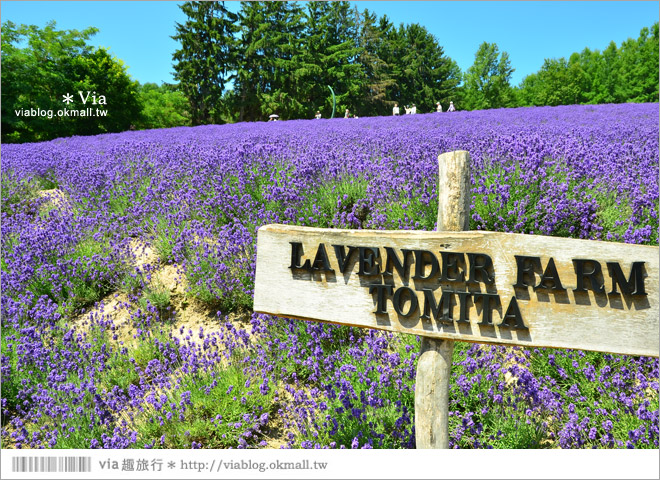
372, 42
286, 55
206, 57
16, 192
614, 212
472, 406
163, 106
359, 412
54, 63
11, 382
487, 80
592, 401
210, 273
324, 207
91, 287
423, 74
512, 200
156, 296
617, 74
559, 82
167, 237
209, 408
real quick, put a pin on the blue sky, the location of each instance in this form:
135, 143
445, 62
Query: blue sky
138, 32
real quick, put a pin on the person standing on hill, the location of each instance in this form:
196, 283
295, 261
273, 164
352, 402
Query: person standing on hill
438, 107
318, 115
413, 109
395, 110
347, 114
451, 107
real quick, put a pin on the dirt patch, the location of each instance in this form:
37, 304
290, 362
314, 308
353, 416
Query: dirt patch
55, 199
142, 253
113, 310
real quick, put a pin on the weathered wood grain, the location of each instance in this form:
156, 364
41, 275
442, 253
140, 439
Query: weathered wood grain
591, 321
435, 355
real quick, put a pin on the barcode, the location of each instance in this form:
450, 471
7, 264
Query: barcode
51, 464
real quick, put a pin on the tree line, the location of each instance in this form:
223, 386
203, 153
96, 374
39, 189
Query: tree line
281, 57
41, 65
290, 58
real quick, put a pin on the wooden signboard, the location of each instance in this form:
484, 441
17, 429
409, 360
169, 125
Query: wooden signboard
485, 287
474, 286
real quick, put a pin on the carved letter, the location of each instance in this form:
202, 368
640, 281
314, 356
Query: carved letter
481, 263
594, 274
381, 299
342, 257
321, 260
635, 283
512, 317
450, 265
420, 265
550, 279
398, 302
368, 265
431, 306
486, 317
527, 266
393, 261
296, 253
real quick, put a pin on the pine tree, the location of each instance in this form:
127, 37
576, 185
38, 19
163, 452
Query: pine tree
270, 39
422, 72
249, 83
206, 58
342, 72
378, 80
311, 77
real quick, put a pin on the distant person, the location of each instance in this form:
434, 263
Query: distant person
347, 114
395, 110
318, 115
438, 107
451, 107
413, 109
407, 109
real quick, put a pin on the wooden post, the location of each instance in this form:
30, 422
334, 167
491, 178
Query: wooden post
434, 365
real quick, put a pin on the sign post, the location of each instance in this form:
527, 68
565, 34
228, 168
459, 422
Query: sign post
453, 284
434, 364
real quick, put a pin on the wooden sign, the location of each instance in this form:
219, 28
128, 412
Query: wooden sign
484, 287
477, 286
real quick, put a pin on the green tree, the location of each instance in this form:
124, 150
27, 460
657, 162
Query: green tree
339, 59
487, 81
270, 35
100, 73
311, 75
249, 83
51, 64
163, 106
207, 56
561, 83
423, 74
628, 73
377, 72
279, 44
639, 66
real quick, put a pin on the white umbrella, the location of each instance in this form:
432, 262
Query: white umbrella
274, 116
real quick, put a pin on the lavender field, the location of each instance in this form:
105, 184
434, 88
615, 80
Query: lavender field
128, 268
